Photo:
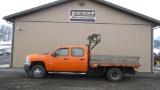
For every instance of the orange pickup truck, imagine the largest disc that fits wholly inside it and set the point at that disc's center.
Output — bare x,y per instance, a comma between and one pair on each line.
77,59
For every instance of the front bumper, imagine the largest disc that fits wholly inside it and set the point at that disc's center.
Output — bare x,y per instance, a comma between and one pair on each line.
27,67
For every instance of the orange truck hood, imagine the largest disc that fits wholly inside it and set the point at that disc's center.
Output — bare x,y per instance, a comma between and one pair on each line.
36,57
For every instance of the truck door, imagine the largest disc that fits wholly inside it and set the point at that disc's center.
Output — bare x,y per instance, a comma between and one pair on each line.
59,60
78,59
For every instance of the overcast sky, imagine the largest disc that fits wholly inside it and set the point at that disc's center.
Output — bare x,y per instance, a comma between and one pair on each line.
150,8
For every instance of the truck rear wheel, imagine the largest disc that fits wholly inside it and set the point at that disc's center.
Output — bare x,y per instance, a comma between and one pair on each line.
38,72
114,74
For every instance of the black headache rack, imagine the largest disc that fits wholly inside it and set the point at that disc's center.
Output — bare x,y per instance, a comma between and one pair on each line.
93,39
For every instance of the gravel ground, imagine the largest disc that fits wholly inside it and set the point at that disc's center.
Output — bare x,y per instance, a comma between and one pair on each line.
17,79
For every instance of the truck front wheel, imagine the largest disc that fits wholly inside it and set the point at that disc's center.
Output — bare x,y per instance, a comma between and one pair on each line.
38,72
114,74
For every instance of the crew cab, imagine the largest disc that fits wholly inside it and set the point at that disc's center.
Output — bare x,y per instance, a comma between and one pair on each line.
77,59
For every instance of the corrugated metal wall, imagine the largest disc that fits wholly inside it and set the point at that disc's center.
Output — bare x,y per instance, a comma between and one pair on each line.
124,37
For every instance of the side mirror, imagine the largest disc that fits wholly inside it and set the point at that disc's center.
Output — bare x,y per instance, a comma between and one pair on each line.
54,54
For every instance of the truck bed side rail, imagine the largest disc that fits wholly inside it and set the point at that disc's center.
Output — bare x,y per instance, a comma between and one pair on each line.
107,60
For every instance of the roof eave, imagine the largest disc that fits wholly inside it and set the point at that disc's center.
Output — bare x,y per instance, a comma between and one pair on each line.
127,11
102,2
35,9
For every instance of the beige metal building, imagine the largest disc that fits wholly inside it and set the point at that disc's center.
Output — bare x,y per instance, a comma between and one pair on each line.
69,22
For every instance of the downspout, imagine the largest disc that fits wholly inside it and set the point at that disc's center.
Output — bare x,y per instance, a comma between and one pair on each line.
152,58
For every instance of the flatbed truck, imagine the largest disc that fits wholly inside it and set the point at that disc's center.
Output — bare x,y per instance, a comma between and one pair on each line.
78,59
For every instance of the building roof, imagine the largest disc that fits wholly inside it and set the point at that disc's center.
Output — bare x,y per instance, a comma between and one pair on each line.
102,2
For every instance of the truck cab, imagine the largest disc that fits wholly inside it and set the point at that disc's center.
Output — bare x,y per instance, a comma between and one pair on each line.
63,59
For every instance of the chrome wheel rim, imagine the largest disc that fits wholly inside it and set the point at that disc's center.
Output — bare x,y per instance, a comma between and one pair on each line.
37,72
115,75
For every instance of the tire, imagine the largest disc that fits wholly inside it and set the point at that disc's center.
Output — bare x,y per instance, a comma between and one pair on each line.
38,72
114,74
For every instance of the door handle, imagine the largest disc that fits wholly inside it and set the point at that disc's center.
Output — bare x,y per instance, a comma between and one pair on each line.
65,59
82,59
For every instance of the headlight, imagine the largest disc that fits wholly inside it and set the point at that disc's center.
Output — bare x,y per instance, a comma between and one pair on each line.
27,61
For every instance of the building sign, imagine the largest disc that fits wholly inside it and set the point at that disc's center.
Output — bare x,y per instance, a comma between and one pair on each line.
82,15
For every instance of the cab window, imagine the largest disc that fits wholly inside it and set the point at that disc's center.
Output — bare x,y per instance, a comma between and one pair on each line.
62,52
77,52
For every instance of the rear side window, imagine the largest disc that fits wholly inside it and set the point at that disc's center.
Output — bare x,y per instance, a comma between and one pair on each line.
77,52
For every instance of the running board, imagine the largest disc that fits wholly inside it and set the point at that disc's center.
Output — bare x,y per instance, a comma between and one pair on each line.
67,73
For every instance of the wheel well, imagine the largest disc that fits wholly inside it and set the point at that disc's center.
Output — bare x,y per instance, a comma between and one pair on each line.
124,70
37,63
107,68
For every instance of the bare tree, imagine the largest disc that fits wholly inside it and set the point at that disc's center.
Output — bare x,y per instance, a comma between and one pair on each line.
5,32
